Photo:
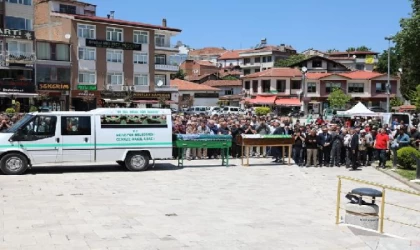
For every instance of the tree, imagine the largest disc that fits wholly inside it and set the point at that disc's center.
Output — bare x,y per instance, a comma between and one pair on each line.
382,66
338,99
395,102
293,59
407,43
360,48
178,75
415,97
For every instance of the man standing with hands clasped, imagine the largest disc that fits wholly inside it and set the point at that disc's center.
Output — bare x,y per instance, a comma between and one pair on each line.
324,144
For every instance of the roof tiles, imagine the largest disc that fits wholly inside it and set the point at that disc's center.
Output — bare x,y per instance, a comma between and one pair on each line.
190,86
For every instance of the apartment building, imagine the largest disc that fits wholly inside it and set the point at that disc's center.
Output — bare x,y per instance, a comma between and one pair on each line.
356,60
282,87
112,60
263,57
17,56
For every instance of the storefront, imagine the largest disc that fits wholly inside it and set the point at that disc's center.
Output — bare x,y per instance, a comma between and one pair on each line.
85,100
153,99
117,99
53,96
17,94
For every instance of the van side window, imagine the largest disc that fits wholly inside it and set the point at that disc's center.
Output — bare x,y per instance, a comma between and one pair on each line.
41,127
75,125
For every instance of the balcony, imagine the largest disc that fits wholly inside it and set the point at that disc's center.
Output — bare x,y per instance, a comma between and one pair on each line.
166,67
166,47
166,88
141,88
20,57
363,60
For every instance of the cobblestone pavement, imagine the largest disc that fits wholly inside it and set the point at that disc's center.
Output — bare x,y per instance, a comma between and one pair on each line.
203,206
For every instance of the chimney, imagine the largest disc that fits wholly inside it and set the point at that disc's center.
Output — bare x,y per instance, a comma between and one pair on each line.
283,44
164,22
112,14
109,16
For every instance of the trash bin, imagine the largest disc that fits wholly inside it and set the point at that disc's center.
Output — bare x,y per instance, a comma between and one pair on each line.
361,213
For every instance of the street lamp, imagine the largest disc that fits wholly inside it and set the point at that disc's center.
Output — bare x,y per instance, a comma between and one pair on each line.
304,70
388,84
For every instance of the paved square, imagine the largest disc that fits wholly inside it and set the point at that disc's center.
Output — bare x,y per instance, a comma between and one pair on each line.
203,206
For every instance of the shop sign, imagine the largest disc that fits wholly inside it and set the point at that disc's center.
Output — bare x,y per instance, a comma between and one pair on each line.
152,96
87,87
80,94
113,94
17,86
112,45
19,34
54,86
206,95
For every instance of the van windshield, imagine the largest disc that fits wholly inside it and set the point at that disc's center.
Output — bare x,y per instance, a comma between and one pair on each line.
18,124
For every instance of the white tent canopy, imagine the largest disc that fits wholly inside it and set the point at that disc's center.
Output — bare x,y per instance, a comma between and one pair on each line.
360,110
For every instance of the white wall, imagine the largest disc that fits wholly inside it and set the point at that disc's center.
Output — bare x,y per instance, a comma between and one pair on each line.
20,10
201,101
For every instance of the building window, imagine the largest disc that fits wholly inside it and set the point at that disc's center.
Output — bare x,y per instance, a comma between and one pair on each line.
228,92
18,23
360,66
160,78
247,60
257,59
330,86
86,31
267,59
141,37
43,51
160,59
141,80
140,58
114,78
356,88
62,52
24,2
311,88
380,87
69,9
296,84
257,70
255,86
281,85
159,40
316,63
19,48
266,86
114,34
87,54
114,55
63,75
247,85
247,71
87,77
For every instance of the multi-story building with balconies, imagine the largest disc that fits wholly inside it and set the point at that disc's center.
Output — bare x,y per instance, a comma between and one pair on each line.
16,54
112,60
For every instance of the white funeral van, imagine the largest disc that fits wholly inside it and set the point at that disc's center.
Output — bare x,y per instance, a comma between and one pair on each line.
131,137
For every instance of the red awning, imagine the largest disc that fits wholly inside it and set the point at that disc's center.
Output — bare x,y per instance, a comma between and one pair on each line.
288,102
263,100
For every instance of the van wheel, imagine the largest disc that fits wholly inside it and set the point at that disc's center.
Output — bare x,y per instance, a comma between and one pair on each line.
137,161
13,164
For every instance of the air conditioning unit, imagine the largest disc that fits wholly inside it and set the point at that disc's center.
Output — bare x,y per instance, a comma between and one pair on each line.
124,88
132,88
109,87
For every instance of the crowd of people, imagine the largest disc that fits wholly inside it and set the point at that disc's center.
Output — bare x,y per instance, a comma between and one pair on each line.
339,142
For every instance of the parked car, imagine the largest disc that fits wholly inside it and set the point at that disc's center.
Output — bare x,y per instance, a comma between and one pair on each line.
200,110
214,110
233,110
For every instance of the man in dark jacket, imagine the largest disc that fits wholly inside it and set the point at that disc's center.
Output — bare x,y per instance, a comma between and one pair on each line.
237,130
337,143
354,148
324,144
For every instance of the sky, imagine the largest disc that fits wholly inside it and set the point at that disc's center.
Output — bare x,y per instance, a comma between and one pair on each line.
236,24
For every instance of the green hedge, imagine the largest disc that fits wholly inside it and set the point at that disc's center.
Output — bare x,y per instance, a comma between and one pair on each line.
262,110
405,159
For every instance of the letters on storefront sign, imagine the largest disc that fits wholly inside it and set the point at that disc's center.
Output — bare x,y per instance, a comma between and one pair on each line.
21,34
54,86
153,96
18,86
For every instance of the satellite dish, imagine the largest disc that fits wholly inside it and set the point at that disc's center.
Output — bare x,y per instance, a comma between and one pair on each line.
159,83
67,36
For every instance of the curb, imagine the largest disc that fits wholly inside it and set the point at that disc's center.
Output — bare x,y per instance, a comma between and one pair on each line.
400,179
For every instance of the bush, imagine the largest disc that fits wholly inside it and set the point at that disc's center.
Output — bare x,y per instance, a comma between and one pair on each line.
262,110
33,109
10,111
405,159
